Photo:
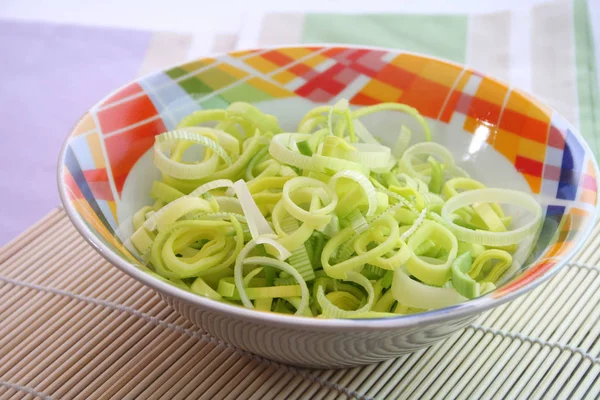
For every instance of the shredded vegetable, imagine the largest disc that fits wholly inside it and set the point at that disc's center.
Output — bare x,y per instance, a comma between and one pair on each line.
326,221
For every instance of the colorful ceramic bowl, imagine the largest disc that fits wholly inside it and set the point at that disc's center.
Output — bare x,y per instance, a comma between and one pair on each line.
501,136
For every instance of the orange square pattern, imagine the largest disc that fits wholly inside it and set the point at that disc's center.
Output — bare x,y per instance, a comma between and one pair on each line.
440,72
273,60
415,84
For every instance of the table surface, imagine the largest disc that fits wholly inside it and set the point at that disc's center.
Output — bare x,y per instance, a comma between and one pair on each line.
73,326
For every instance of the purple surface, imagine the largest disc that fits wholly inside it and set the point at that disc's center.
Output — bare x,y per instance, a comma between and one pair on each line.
49,75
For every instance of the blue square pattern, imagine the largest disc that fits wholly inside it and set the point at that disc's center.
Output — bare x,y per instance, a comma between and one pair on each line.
156,81
571,167
74,168
554,215
555,212
81,149
171,101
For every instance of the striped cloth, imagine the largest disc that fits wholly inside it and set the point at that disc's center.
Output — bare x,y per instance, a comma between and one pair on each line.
546,48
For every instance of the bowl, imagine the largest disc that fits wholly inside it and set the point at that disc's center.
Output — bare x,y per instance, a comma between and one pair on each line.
500,135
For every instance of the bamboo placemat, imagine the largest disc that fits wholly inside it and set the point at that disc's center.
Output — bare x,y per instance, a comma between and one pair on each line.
73,326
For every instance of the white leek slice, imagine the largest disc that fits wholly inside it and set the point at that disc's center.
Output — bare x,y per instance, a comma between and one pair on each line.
427,271
227,141
216,184
402,142
372,156
318,218
200,117
219,252
175,210
332,311
140,217
177,169
291,234
279,150
266,261
199,286
229,204
341,107
301,263
355,264
489,195
256,221
396,107
363,133
426,148
413,228
452,186
358,221
418,295
365,184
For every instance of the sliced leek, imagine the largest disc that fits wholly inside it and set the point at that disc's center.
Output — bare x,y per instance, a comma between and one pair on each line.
325,221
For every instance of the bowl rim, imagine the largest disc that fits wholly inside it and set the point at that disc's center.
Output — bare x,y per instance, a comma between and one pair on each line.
471,307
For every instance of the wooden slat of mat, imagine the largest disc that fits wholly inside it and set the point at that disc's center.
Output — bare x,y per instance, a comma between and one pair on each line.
72,326
14,245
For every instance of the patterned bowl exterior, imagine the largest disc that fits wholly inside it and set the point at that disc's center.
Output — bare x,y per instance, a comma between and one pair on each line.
537,143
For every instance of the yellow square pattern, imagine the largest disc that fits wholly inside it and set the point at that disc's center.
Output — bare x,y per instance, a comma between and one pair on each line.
588,196
535,182
284,77
262,65
269,88
381,91
506,143
436,71
86,124
233,71
471,124
462,82
241,53
314,61
409,62
444,76
492,91
295,52
113,209
532,149
522,103
590,169
93,141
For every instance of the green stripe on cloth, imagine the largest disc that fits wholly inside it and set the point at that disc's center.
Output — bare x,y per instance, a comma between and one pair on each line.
443,36
587,84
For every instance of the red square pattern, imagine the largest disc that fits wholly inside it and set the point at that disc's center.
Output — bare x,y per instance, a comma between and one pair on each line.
126,148
125,114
